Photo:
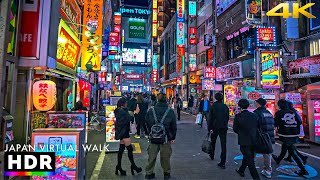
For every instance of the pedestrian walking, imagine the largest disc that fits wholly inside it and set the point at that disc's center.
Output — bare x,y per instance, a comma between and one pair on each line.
153,100
190,104
140,117
132,104
174,105
218,126
179,106
246,126
266,125
204,108
288,124
162,125
122,129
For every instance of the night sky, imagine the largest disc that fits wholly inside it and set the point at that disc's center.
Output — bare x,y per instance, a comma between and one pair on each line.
136,2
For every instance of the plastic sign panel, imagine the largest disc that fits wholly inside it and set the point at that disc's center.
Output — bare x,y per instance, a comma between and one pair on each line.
117,18
192,62
180,10
44,95
254,11
70,11
192,35
92,35
155,62
231,71
223,5
68,48
154,18
117,28
180,59
210,72
208,84
180,33
270,69
154,15
192,9
305,67
155,75
266,36
137,29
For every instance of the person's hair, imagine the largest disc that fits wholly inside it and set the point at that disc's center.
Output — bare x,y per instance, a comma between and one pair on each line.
290,106
140,99
283,104
218,96
243,104
121,102
162,97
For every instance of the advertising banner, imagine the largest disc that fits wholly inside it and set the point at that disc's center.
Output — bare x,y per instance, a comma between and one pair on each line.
180,59
117,18
180,10
254,11
209,40
180,33
192,9
91,45
192,62
209,72
231,97
266,36
208,85
28,46
154,29
223,5
71,12
68,49
194,78
231,71
305,67
293,97
137,29
155,61
192,35
270,68
155,75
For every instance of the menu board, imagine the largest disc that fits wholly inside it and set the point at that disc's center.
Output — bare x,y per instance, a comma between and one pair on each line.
65,148
66,120
110,124
38,120
316,104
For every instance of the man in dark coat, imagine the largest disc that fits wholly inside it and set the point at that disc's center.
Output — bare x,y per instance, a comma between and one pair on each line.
266,124
246,126
170,124
190,104
218,126
132,104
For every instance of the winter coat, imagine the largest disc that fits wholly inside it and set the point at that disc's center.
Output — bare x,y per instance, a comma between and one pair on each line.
288,123
201,106
266,122
132,104
140,117
246,126
170,121
190,102
123,120
218,116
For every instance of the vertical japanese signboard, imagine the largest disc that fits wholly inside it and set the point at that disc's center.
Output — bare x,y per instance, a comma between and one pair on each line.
192,9
192,62
154,18
180,11
180,34
192,35
209,72
270,69
70,11
180,59
92,35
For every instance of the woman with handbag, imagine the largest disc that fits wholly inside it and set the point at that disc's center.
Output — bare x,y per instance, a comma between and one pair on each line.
122,127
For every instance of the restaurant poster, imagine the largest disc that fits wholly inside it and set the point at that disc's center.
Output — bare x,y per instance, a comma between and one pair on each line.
270,68
38,120
66,120
231,97
65,148
305,67
231,71
110,124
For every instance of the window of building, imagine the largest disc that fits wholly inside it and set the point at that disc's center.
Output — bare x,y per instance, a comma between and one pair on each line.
314,47
200,5
236,45
200,32
201,58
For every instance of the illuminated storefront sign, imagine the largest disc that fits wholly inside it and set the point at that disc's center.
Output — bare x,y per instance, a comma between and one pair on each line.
270,69
70,11
192,35
180,59
180,11
209,72
192,9
254,11
237,33
231,71
92,35
155,76
154,18
192,62
305,67
154,30
180,33
117,28
266,36
68,48
131,11
117,18
137,29
223,5
231,96
208,85
44,95
194,79
155,62
154,15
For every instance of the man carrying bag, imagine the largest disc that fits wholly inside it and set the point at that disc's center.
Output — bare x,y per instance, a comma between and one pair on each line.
162,125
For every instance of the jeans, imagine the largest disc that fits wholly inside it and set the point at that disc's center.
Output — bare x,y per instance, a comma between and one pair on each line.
165,155
205,115
248,160
223,139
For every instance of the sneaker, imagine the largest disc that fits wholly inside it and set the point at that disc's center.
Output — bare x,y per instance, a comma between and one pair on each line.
146,136
302,173
137,136
150,176
222,166
240,172
266,174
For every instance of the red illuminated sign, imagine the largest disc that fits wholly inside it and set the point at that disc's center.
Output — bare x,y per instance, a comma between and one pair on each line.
114,34
209,72
265,34
117,28
154,75
117,19
113,39
192,35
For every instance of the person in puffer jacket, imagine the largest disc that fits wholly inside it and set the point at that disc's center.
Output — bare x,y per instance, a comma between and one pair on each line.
266,124
288,125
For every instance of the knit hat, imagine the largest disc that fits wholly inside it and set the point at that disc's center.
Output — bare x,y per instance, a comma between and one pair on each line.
261,101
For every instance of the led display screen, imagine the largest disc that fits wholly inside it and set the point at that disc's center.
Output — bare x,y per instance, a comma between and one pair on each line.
134,55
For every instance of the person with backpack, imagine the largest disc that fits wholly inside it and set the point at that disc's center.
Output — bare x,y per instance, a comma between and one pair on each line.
162,125
218,126
246,126
266,125
288,125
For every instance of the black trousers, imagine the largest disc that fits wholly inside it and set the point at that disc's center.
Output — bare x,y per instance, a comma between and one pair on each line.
222,133
248,160
293,152
178,112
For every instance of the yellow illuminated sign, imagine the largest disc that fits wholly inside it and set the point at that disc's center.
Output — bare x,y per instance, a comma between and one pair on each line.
92,35
154,4
154,15
154,30
270,69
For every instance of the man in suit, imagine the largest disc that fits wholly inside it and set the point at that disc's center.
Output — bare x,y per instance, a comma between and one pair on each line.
246,126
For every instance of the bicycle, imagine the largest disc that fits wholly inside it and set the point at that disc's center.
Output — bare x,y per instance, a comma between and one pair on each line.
96,123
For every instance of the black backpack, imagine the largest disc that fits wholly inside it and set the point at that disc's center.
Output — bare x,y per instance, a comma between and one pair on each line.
158,133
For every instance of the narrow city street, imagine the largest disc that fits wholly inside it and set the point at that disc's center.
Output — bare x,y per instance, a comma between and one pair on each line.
188,161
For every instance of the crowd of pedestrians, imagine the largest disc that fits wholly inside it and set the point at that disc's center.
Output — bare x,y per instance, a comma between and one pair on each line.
156,117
